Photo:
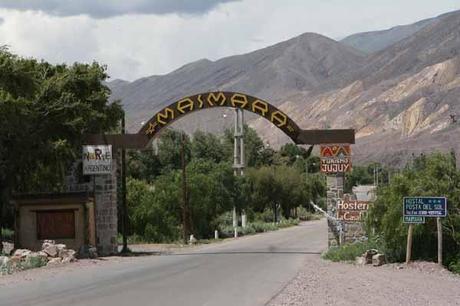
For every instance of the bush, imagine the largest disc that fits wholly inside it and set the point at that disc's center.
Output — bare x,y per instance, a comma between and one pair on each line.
304,215
427,175
7,234
265,216
261,227
454,266
349,252
288,223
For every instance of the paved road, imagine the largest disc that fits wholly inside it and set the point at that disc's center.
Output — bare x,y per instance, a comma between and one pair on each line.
247,271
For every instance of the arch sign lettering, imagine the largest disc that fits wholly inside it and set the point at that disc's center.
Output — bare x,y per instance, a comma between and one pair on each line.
197,102
220,99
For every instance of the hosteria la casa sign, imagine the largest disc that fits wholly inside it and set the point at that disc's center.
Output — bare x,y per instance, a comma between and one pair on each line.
335,158
97,160
352,210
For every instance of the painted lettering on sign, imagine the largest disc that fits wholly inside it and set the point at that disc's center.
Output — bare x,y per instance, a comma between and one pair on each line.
425,206
97,159
335,158
220,99
352,211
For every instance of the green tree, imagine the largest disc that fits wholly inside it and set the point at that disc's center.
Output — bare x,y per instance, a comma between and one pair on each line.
433,175
169,149
207,146
45,111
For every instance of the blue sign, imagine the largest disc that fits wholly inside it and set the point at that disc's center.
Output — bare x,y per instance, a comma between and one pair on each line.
425,206
414,219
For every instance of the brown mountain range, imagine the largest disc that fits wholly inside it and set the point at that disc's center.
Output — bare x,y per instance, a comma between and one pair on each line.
402,99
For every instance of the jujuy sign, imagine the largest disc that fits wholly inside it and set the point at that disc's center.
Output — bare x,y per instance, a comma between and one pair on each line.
335,158
97,159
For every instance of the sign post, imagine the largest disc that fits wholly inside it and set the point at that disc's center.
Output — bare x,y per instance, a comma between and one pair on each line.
415,209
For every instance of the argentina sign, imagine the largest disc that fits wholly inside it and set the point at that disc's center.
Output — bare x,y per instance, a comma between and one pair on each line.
97,159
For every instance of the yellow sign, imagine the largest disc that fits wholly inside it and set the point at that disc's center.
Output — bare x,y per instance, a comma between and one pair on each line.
220,99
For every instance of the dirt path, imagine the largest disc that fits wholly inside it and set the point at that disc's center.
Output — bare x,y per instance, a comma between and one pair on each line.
326,283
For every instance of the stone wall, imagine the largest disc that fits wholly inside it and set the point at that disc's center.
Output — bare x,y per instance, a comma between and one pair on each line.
334,192
105,193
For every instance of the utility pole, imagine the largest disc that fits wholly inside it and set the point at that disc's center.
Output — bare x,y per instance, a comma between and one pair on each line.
238,158
124,218
185,215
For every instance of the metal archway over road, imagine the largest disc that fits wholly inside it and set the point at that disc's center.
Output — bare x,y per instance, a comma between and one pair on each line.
237,100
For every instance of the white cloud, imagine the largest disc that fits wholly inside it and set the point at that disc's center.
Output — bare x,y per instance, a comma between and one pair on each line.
135,46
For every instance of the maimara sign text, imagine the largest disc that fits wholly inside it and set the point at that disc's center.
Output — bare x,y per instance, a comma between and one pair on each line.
220,99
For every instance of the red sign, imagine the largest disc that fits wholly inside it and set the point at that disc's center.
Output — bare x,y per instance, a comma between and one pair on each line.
335,158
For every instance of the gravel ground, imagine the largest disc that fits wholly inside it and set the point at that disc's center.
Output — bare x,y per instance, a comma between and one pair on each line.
327,283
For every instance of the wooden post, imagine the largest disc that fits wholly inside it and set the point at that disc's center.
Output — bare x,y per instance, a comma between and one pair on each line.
439,225
409,243
124,210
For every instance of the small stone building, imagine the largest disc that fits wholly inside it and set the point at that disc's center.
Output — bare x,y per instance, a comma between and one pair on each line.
68,218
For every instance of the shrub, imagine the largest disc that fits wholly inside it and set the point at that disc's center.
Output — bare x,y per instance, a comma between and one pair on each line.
348,252
304,215
427,175
7,234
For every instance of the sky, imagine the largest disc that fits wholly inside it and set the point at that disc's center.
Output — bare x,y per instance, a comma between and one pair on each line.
139,38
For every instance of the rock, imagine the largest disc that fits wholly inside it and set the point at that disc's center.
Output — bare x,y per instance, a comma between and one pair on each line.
192,240
67,255
4,260
368,255
42,255
35,260
8,248
54,261
61,246
47,243
92,253
51,250
87,251
21,253
360,260
378,260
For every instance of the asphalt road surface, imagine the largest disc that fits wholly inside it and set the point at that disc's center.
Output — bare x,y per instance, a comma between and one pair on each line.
247,271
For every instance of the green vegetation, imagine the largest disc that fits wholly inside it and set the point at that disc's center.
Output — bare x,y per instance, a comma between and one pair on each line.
426,175
349,252
7,234
272,192
433,175
45,111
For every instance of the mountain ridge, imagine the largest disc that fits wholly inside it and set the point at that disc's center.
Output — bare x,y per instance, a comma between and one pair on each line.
402,94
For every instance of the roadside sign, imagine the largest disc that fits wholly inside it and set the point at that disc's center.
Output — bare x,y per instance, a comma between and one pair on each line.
352,210
425,206
414,219
97,160
335,158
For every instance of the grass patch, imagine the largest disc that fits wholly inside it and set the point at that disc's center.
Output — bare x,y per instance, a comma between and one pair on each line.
349,251
7,234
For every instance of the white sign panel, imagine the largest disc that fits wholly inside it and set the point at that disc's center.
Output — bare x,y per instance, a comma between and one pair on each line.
97,160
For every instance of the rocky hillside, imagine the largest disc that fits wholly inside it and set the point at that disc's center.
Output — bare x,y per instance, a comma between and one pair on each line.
370,42
297,65
402,99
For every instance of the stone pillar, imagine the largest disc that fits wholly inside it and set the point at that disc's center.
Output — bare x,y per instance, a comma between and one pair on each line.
105,193
334,192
